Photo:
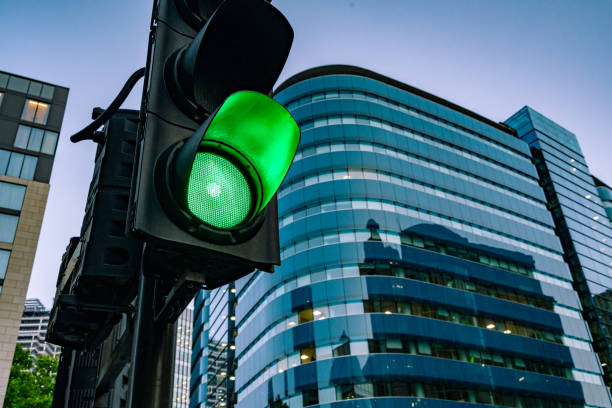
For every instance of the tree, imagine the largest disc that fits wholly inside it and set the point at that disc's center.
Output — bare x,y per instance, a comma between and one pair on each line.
31,381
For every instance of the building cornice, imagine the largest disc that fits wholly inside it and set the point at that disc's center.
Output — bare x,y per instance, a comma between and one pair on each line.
326,70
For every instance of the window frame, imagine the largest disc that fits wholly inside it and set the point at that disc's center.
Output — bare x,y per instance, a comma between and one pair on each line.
25,116
25,131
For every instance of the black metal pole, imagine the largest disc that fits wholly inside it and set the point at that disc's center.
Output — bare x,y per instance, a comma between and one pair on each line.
151,372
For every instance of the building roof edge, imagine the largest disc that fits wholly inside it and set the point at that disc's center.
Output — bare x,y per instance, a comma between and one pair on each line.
339,69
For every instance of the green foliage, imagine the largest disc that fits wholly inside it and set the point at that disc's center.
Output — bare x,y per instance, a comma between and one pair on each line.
32,380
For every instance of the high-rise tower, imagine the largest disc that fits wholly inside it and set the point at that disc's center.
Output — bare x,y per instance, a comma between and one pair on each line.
580,218
33,329
31,114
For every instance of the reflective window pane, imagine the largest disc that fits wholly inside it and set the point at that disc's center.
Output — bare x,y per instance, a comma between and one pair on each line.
11,195
4,258
29,167
18,84
49,142
35,88
3,80
8,227
23,134
14,166
47,91
4,159
36,137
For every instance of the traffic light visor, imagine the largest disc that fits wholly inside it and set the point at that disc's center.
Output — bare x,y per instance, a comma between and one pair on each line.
242,159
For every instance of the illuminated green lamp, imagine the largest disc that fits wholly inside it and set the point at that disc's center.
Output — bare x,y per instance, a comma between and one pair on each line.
229,170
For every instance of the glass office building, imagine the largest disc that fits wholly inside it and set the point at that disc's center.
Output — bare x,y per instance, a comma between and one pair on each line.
578,204
420,265
419,262
182,359
31,114
212,358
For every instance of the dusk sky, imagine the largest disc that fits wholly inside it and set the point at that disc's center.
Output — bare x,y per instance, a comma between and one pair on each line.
492,57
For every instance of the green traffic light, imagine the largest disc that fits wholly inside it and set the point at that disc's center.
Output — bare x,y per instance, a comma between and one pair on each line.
213,184
242,159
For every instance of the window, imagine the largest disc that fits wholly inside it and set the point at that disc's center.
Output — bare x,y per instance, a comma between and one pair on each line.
17,164
8,227
310,397
307,355
35,139
4,258
18,84
23,85
1,97
11,195
305,316
36,112
47,91
345,391
29,167
342,350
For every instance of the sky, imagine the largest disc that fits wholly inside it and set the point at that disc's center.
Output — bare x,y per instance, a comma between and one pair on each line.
492,57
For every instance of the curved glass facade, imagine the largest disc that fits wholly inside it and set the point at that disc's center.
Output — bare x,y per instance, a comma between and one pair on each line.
420,264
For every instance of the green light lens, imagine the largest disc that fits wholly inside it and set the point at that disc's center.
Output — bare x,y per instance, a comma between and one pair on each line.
217,192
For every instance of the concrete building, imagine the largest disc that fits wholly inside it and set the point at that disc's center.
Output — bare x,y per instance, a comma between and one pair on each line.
31,114
33,329
420,265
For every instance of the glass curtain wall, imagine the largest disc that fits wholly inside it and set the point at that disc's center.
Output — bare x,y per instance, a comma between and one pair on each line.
419,262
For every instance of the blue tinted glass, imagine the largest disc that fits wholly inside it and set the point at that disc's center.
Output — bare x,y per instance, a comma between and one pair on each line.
49,142
47,91
29,167
23,134
11,195
36,137
18,84
4,159
4,258
14,166
8,226
35,88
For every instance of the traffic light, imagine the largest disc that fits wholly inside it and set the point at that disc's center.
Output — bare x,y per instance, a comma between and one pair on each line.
213,148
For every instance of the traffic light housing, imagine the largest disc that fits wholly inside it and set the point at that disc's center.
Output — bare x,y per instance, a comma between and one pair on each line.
213,148
230,159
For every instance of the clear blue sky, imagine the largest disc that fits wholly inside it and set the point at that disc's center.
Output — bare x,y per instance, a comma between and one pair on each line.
492,57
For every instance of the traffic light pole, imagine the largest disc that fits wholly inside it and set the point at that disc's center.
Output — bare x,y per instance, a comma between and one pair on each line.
152,369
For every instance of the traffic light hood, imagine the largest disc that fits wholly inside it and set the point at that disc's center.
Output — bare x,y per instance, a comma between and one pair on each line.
244,45
263,132
229,170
